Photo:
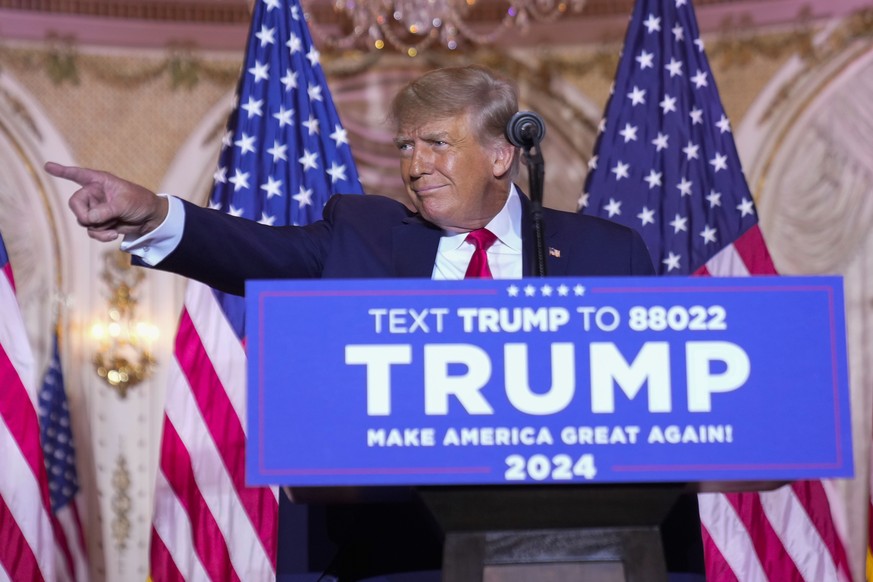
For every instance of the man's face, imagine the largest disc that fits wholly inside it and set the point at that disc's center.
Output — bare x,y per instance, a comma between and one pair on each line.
453,180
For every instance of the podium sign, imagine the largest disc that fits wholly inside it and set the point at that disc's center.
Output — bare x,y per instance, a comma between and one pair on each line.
410,382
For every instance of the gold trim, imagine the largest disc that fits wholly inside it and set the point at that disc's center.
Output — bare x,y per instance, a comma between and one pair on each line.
121,503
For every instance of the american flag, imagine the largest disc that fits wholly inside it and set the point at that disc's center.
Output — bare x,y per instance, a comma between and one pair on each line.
60,461
26,535
284,154
665,163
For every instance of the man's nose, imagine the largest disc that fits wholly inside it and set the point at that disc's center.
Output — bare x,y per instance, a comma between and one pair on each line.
421,162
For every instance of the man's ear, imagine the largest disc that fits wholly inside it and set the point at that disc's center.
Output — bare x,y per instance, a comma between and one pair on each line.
504,155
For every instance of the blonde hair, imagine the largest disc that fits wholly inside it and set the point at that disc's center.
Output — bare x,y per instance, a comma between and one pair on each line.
489,99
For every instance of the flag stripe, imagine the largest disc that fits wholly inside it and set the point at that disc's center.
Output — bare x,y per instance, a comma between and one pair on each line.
768,546
207,536
717,567
798,535
172,538
71,526
730,540
16,555
220,418
26,536
163,567
813,498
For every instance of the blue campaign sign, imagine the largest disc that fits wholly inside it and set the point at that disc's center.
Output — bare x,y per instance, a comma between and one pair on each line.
411,382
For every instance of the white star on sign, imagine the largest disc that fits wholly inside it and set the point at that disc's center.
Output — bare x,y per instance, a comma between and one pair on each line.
579,290
546,290
512,291
530,290
563,290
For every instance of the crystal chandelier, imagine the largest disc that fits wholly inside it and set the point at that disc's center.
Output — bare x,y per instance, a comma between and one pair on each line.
411,26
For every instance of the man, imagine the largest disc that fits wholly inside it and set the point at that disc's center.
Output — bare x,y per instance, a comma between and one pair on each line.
457,166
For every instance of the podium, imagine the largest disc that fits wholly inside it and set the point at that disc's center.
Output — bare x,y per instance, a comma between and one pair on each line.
547,425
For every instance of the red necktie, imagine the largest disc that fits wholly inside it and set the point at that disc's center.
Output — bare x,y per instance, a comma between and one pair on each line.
482,238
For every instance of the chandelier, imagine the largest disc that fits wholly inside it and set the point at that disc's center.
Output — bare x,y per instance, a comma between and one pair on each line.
123,356
411,26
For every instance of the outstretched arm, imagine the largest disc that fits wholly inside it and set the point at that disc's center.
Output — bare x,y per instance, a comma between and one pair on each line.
108,206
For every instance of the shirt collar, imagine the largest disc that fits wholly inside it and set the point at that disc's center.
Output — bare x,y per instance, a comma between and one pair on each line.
506,224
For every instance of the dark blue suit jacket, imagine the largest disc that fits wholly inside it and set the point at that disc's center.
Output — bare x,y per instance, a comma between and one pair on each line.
377,237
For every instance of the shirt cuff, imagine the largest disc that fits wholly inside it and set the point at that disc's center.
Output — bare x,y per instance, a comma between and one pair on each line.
155,246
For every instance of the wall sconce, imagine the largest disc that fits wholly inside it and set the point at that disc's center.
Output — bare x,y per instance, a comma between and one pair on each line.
123,355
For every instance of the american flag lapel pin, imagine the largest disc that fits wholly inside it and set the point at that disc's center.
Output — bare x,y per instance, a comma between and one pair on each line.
555,252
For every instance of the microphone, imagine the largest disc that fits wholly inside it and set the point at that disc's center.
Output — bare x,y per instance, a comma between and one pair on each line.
526,129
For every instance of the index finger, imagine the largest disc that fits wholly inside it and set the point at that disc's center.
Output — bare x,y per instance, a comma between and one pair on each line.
81,176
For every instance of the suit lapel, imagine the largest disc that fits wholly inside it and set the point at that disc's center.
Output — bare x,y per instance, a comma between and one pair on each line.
415,247
556,257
